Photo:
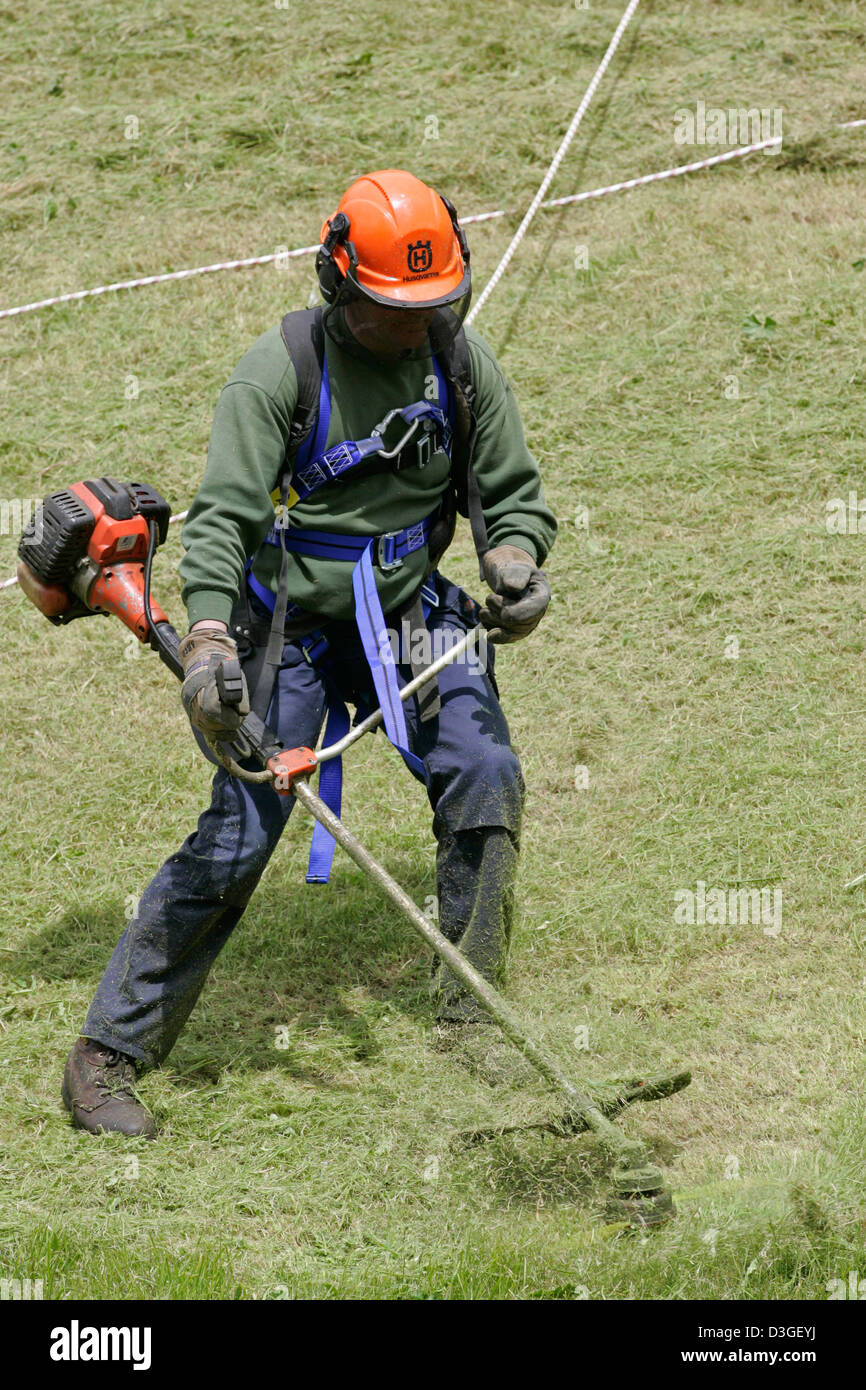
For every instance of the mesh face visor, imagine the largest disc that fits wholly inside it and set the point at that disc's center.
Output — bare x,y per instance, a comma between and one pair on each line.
388,332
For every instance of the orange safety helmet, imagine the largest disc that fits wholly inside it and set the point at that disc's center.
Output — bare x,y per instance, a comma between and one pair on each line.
395,242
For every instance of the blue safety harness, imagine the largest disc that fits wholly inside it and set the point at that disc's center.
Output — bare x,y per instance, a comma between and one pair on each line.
427,427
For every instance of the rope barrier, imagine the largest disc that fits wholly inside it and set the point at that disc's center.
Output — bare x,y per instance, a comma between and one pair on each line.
680,169
464,222
709,162
307,250
154,280
554,163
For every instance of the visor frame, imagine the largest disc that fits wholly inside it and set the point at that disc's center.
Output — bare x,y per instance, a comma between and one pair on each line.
350,279
437,339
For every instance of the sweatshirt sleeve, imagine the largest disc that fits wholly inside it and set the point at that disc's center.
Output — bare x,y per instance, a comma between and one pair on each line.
508,477
232,510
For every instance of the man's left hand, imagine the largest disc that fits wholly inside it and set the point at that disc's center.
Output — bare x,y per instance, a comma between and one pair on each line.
520,595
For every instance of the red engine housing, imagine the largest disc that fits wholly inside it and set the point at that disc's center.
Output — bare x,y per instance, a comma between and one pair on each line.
84,552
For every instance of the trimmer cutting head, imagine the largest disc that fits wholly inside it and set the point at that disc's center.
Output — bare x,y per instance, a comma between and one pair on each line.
639,1194
640,1197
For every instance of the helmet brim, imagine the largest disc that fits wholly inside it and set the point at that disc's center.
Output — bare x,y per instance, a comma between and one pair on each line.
415,293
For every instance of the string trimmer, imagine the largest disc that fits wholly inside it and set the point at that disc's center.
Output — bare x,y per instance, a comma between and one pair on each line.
89,549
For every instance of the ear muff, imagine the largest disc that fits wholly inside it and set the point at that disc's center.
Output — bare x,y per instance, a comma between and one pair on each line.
330,275
458,230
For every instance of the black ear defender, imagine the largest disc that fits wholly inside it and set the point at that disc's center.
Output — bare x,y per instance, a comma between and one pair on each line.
458,230
330,275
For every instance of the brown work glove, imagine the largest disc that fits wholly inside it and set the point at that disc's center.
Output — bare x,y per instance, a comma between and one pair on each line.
201,654
520,595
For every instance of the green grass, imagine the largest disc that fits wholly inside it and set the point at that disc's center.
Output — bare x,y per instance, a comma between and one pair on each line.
326,1168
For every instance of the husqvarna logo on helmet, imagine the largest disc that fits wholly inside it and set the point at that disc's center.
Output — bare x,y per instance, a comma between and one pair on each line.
419,257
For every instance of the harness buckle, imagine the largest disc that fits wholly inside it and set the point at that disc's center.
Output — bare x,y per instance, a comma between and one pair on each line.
424,445
386,552
429,594
379,431
383,424
313,646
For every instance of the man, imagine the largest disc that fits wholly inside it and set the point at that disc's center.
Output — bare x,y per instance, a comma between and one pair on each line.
340,448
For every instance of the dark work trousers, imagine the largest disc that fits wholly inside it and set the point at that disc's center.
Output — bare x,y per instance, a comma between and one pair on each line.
475,787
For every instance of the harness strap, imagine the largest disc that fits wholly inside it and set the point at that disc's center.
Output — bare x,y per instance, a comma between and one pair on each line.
461,403
343,458
477,523
314,465
331,776
303,334
391,548
266,595
323,843
414,620
261,700
314,441
380,657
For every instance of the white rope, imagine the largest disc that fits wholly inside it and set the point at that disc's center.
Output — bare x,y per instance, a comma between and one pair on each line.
680,169
464,222
554,165
155,280
662,174
307,250
572,198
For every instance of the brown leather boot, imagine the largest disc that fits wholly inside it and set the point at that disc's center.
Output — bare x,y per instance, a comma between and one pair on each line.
97,1089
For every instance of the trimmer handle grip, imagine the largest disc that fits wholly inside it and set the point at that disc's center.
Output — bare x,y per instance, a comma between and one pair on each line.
262,740
230,682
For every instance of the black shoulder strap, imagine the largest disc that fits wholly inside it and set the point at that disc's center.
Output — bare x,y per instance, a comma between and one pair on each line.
458,369
302,334
304,338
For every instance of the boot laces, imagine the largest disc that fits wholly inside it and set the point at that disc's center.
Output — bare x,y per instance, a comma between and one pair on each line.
117,1070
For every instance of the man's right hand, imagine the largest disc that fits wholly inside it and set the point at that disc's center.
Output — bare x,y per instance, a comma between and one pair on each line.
202,652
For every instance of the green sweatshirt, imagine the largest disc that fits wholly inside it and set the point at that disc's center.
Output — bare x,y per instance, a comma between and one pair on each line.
235,505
